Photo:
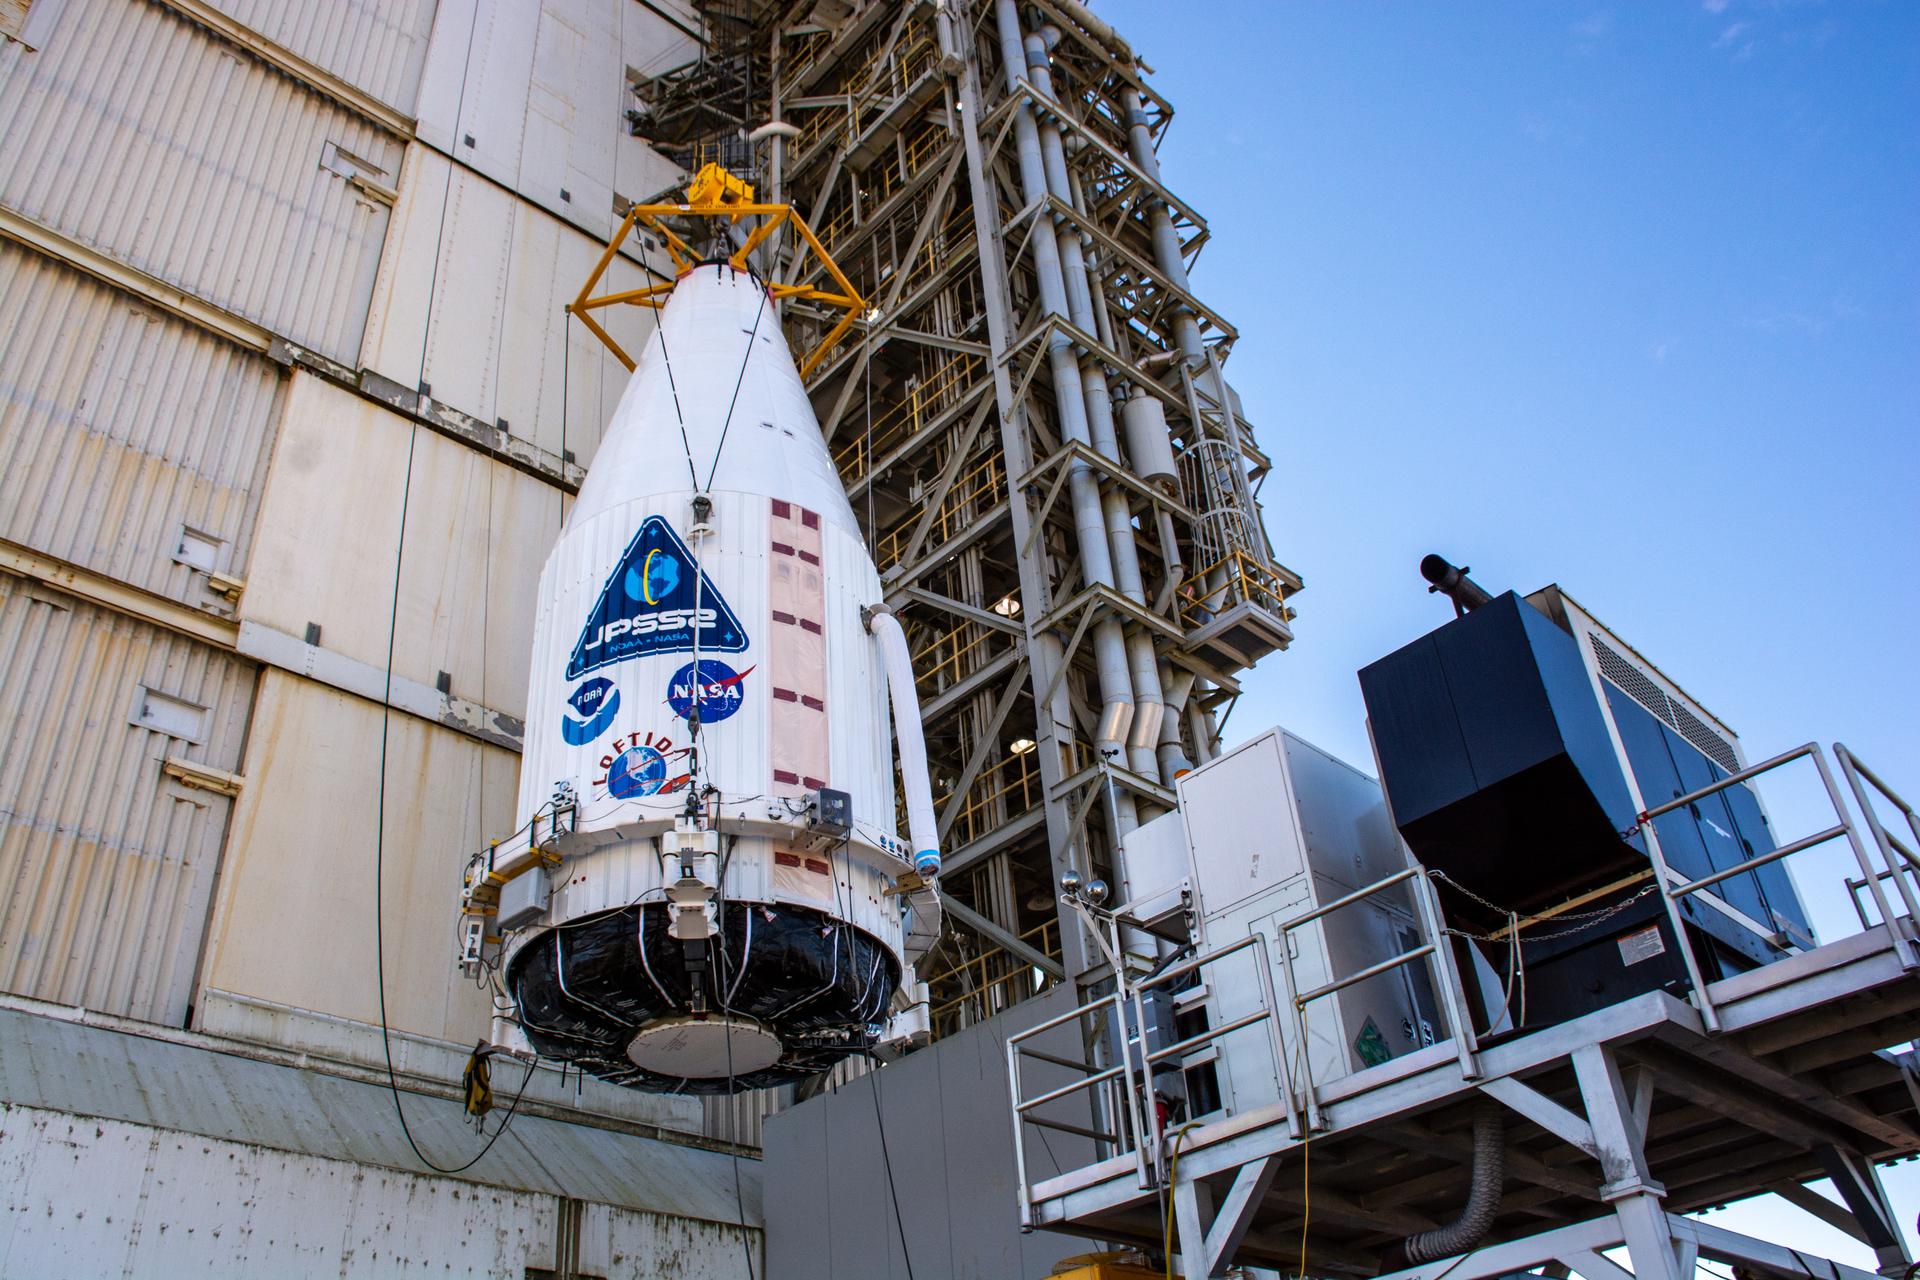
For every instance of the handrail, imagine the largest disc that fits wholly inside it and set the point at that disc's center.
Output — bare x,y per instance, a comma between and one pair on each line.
988,986
1122,1071
1859,777
1134,1068
1673,888
1439,957
1147,1150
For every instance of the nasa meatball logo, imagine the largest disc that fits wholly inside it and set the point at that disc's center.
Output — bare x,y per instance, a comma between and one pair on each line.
595,702
655,601
720,688
642,765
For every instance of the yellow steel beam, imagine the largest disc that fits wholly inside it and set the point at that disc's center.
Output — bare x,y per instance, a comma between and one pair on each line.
716,194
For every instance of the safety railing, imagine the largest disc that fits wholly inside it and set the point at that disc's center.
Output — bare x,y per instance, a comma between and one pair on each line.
883,180
1235,578
1435,951
939,390
944,657
804,51
990,981
1175,1052
977,489
1003,790
1901,862
1674,889
1132,1075
1123,1103
1129,1078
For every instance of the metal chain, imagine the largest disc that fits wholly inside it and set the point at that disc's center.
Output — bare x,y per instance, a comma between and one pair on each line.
1581,920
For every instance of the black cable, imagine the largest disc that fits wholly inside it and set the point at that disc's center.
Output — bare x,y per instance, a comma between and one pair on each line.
886,1158
386,719
726,1013
738,381
686,446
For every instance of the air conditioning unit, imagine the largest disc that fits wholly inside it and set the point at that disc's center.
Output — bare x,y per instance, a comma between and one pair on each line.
1266,834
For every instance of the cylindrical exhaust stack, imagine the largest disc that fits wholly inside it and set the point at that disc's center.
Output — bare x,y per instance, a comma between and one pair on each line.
713,896
1451,581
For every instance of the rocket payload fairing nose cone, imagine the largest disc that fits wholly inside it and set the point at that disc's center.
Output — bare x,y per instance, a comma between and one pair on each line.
704,684
715,402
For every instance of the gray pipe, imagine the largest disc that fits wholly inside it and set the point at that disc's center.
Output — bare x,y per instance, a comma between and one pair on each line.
1109,640
1098,404
1483,1197
1166,241
1097,28
1172,754
1200,727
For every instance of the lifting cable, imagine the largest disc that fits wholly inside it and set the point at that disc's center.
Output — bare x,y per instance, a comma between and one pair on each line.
386,718
740,378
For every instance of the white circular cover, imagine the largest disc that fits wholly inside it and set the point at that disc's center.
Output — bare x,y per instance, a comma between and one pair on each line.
707,1049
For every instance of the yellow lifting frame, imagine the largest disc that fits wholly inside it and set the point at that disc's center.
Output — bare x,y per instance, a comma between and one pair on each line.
714,193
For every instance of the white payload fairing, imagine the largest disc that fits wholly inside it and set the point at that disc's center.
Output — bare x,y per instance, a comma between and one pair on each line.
709,892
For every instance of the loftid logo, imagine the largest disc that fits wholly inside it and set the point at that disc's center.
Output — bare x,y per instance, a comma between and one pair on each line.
648,606
719,690
640,765
596,701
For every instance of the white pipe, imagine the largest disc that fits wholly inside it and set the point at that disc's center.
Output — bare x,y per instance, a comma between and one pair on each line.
922,831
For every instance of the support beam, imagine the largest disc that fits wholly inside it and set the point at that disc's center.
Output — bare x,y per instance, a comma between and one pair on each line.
1235,1215
1620,1147
1859,1185
1002,938
1543,1111
1810,1201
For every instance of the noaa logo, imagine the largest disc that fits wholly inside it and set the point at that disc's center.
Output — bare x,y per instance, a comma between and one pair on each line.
596,701
655,601
642,765
719,689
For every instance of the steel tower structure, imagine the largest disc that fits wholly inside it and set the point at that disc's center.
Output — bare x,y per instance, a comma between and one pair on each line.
1035,427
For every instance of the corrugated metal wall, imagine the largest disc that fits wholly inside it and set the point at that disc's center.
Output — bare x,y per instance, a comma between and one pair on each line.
545,97
477,534
377,46
122,428
489,324
144,136
295,922
106,863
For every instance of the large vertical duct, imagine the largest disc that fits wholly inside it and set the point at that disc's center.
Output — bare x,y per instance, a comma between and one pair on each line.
1173,755
1142,664
1166,241
1186,329
1109,642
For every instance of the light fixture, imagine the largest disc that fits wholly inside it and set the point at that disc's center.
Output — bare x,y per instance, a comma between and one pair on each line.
1022,745
1006,606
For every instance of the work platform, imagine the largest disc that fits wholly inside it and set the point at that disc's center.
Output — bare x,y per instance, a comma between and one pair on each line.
1615,1122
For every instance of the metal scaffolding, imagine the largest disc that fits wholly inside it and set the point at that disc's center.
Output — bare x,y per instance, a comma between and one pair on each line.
1035,428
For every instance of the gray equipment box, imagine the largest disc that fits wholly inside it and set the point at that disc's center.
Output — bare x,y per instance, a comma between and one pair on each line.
1275,829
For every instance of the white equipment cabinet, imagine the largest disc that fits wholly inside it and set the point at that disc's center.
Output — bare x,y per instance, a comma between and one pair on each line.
1273,830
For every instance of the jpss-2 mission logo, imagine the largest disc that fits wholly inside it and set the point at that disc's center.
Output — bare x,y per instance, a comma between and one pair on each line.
655,601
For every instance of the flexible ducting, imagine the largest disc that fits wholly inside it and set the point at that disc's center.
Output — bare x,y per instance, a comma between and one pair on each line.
1483,1197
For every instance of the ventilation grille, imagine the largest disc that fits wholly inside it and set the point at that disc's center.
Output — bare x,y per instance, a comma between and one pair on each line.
1635,684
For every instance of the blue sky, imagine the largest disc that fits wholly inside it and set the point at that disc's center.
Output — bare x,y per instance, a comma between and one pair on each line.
1625,297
